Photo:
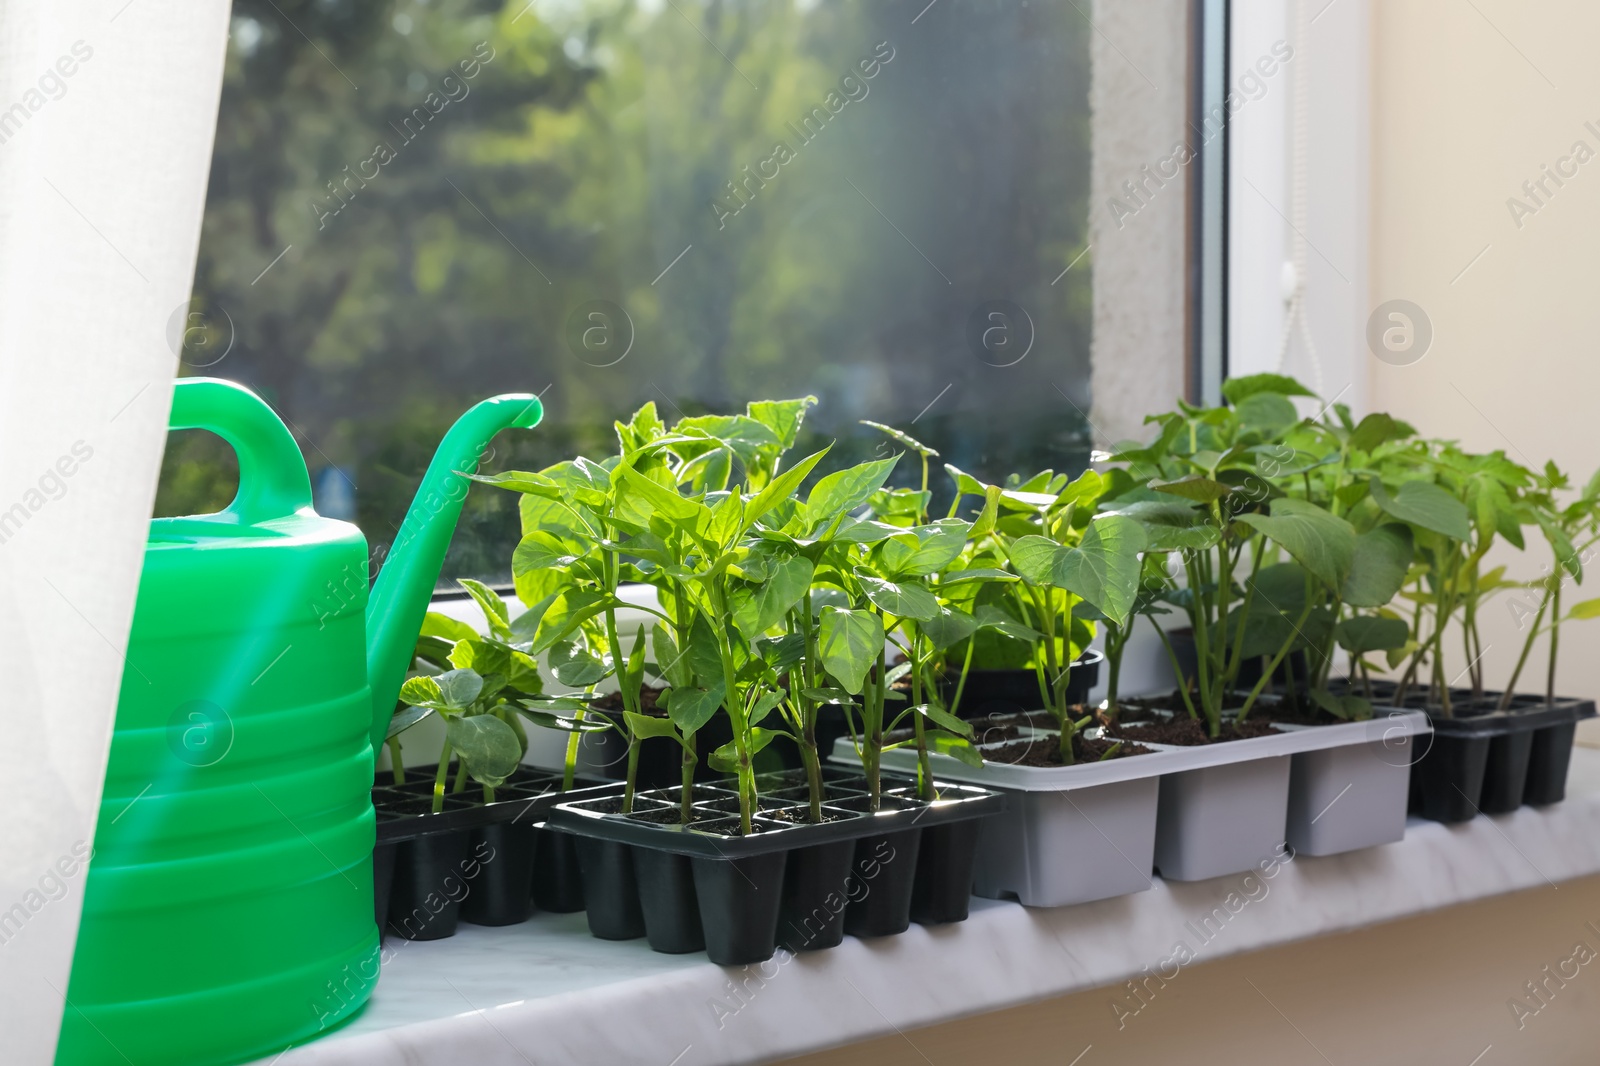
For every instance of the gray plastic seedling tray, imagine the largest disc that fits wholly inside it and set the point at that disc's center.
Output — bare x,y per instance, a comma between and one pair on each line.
1073,834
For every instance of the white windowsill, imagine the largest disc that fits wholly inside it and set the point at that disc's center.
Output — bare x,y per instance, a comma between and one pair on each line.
556,995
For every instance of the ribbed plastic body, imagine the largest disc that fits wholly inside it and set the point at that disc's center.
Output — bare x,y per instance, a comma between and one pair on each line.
228,910
228,906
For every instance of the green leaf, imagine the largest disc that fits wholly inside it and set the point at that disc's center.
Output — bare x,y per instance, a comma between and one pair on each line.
1376,429
757,608
522,481
984,524
1034,558
691,708
843,491
648,725
1266,410
1104,567
493,607
458,688
904,438
764,704
988,616
782,487
1194,487
980,573
865,531
1425,504
1171,526
850,642
1379,565
1585,610
1237,390
1317,539
672,664
435,624
782,417
556,704
1348,708
662,500
1364,632
938,545
955,747
575,666
407,717
487,745
525,626
901,599
704,652
967,485
944,719
950,626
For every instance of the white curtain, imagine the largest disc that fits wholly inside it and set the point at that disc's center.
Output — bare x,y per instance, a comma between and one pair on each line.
107,112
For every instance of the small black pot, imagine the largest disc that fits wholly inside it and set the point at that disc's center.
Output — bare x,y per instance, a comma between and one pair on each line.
382,884
881,883
1548,758
815,896
429,885
610,889
1448,780
739,903
1505,773
788,865
667,898
1485,760
945,861
557,876
501,893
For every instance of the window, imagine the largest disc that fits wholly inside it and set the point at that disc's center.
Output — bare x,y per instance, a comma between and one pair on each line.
886,203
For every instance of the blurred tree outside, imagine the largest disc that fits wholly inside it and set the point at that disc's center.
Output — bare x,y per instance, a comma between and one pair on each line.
415,204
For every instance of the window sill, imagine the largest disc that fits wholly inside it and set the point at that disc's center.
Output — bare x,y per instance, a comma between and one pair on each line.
552,991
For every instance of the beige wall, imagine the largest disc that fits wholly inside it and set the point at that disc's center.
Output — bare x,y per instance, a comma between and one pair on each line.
1431,989
1468,101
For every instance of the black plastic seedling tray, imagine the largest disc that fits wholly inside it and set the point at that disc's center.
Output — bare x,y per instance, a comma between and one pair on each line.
483,863
802,883
1483,760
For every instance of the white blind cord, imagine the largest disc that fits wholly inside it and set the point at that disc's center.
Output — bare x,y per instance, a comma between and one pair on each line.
1299,126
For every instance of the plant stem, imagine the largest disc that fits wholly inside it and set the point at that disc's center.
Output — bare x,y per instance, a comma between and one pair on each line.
439,778
1271,667
924,768
1177,672
569,767
735,706
1527,646
1555,638
686,782
395,762
810,758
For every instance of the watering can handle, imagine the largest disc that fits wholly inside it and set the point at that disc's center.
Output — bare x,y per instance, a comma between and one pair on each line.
272,473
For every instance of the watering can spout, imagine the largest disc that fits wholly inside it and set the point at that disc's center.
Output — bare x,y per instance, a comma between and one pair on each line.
400,596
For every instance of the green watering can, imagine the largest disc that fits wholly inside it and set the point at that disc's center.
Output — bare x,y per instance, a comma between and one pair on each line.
228,909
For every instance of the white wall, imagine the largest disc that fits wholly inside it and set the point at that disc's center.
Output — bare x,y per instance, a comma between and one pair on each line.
1468,101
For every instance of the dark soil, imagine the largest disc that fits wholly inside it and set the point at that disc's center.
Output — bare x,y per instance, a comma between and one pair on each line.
1045,751
1292,714
612,701
1190,732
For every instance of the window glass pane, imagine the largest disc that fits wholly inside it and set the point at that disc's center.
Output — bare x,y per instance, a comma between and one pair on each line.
415,205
